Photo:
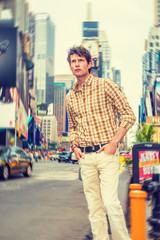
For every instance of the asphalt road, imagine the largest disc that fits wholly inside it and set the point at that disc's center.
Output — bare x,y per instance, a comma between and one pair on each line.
50,205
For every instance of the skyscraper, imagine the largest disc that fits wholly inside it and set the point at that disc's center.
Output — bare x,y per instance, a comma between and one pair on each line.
96,42
59,106
44,57
106,54
157,12
116,76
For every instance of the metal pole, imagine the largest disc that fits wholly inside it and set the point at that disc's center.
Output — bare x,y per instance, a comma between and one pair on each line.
15,140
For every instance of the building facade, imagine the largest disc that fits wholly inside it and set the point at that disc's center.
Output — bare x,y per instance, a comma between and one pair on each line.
49,128
44,57
106,54
116,76
68,79
60,106
157,12
14,67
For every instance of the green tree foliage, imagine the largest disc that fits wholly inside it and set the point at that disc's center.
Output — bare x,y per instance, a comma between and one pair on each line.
145,134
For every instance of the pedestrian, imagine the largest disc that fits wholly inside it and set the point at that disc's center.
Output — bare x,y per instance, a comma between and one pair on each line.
36,156
99,117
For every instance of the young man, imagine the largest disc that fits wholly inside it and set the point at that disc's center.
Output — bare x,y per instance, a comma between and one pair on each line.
93,107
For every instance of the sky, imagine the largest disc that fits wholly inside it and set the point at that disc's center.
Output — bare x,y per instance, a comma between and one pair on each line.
126,23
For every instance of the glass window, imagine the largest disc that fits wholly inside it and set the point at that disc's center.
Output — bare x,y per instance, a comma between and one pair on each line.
157,37
152,37
157,44
151,44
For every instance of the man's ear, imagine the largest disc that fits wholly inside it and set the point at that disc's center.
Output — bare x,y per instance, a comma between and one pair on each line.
89,65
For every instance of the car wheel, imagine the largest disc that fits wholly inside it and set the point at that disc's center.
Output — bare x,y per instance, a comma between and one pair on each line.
5,173
28,171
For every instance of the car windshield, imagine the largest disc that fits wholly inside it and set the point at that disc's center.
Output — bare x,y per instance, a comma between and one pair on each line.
64,153
4,151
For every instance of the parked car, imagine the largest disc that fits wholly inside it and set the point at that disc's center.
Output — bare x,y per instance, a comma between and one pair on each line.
14,160
54,156
65,156
73,158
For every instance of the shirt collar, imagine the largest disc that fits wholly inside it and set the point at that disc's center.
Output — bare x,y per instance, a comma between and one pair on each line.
87,81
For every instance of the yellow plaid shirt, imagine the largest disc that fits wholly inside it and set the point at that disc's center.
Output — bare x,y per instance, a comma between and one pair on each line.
93,111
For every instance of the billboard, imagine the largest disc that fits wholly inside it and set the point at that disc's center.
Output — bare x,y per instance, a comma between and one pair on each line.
8,113
145,156
42,109
90,29
157,98
147,159
21,82
93,48
22,120
8,51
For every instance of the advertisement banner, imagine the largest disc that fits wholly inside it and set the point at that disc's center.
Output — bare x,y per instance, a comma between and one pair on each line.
7,119
8,51
93,48
157,99
22,120
21,82
147,159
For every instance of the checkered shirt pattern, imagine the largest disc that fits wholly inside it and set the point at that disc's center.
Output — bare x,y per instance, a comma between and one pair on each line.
93,111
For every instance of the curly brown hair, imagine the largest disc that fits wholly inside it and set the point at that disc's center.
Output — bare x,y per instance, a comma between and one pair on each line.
80,51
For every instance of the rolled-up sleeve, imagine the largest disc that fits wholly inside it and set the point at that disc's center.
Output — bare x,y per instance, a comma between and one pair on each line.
72,123
119,100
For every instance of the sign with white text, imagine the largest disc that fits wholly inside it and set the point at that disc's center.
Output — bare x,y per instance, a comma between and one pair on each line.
144,156
147,159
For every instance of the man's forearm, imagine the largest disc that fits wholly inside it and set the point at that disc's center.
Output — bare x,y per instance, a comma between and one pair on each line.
119,135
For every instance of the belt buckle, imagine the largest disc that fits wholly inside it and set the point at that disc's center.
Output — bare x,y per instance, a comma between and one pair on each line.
93,148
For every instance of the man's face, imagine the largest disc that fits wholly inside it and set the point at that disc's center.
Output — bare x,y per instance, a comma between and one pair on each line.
79,66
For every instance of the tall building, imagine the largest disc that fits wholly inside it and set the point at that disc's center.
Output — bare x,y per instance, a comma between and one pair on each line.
44,57
116,76
59,106
16,9
153,41
149,110
49,128
96,42
106,54
14,68
31,78
157,12
68,79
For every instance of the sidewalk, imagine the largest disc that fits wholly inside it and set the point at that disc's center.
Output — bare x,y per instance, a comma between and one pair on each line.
124,182
123,191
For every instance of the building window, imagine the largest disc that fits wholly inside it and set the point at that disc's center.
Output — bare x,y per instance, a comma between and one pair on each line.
157,44
151,44
152,37
157,37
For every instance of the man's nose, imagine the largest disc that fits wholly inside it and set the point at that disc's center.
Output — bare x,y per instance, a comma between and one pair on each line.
77,63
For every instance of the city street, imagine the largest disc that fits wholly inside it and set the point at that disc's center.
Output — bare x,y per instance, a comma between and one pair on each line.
48,206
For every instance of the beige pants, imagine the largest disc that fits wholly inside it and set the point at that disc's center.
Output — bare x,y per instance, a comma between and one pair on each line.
100,174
